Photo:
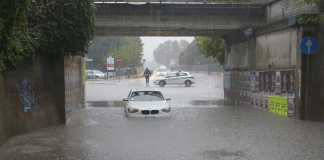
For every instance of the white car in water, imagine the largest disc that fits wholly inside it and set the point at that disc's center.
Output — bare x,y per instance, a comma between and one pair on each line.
145,103
175,78
95,74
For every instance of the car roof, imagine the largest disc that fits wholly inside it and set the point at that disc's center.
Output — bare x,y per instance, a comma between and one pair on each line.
178,72
145,89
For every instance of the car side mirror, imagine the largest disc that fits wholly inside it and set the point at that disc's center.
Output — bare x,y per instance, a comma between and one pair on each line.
168,99
125,99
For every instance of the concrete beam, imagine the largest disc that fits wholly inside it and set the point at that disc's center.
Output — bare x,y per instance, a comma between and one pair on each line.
184,1
175,19
151,31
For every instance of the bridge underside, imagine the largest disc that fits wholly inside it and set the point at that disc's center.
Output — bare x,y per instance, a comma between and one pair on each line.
120,19
151,31
184,1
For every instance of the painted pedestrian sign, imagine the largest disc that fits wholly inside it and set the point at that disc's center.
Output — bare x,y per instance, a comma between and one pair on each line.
309,45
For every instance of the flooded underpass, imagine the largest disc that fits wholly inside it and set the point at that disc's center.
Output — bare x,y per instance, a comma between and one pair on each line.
229,132
201,127
108,104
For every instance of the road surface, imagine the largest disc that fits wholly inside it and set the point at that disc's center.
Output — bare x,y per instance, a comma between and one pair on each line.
201,128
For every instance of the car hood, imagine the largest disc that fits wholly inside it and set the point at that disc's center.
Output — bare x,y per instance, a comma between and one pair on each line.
148,104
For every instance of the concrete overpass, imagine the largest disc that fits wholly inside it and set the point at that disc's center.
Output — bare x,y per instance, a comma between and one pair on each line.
175,19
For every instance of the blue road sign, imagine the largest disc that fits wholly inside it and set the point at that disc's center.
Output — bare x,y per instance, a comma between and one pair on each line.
309,45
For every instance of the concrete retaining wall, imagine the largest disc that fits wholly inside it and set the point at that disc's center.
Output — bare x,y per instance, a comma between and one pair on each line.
277,49
74,84
269,67
282,9
31,97
42,92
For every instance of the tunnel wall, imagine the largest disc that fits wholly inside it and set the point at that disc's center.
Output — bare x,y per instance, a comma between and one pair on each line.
313,81
272,75
281,9
31,97
42,92
257,74
277,49
74,84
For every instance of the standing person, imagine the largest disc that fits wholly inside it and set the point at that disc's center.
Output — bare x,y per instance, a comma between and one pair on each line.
147,74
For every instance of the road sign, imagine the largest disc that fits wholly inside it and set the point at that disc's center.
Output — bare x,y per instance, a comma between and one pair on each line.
110,64
119,60
309,45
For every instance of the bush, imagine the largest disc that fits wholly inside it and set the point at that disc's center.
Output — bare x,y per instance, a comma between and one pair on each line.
29,27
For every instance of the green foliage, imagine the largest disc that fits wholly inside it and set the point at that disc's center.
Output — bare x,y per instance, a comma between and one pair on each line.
29,27
192,55
128,48
15,41
168,52
213,47
309,19
130,51
62,26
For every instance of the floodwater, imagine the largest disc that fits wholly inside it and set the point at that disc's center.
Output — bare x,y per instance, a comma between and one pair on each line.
200,128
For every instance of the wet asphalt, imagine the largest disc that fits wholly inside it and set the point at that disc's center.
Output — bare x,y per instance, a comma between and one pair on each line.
200,128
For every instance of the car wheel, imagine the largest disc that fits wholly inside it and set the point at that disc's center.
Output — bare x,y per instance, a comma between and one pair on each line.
188,83
162,83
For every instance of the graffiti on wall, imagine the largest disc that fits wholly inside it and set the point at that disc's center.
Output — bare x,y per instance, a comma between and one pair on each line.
28,95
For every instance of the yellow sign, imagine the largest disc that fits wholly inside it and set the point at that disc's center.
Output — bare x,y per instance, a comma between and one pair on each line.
278,105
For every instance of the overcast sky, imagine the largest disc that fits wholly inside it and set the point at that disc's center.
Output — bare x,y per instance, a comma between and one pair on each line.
151,43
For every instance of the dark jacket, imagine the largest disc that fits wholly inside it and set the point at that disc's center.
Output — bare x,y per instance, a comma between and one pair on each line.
147,73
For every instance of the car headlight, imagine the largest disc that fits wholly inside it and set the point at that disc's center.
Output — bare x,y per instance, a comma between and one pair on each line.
132,110
167,110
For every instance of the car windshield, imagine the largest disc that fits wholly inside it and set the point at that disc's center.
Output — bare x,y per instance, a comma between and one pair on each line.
146,96
97,72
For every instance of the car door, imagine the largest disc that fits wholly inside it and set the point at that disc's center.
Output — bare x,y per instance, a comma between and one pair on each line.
181,78
171,78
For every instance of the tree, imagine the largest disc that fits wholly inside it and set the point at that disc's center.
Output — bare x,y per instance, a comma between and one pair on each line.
33,27
15,41
62,26
169,52
129,49
192,55
213,47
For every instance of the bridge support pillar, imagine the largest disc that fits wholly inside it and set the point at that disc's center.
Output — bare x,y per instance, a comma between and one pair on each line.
312,107
41,92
